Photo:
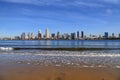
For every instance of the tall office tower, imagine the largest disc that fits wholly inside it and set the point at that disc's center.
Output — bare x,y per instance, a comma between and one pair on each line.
29,36
47,34
58,35
82,34
113,35
73,36
78,35
65,36
119,35
39,34
23,36
53,35
32,36
106,35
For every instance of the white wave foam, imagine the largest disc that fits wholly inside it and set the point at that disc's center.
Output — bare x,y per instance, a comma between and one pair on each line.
83,55
117,66
62,53
6,48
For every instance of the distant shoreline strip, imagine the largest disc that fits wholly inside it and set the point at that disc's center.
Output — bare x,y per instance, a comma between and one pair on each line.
67,49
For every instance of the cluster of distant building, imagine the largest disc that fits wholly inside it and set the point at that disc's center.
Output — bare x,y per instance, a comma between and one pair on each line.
47,35
79,35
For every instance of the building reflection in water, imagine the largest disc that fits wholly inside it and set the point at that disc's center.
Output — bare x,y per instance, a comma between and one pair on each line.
47,42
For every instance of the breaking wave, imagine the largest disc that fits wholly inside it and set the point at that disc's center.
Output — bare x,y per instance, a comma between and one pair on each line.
61,58
6,48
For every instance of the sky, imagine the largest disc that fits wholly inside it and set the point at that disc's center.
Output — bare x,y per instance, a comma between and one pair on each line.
65,16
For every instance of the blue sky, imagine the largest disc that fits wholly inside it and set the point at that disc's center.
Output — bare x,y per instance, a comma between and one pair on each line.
91,16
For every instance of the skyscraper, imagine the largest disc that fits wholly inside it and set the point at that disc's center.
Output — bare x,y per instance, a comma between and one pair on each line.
82,34
23,36
73,36
32,36
29,36
119,35
39,34
113,35
78,35
53,35
58,35
106,35
47,34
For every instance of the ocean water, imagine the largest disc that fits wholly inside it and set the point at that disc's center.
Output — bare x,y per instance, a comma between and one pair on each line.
100,58
61,43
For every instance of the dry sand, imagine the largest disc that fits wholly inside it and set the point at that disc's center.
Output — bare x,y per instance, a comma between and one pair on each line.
14,71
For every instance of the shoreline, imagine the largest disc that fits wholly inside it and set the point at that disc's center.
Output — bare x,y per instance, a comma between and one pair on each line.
31,67
67,49
64,39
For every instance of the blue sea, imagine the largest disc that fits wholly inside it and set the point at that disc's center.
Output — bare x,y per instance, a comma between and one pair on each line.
94,58
60,43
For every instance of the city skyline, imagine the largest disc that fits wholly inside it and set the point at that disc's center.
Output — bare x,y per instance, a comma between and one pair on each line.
93,17
47,34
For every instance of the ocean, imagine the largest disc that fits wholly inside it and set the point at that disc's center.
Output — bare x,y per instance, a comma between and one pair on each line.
88,58
60,43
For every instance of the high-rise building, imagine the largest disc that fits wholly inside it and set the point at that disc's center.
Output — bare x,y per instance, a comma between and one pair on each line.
119,35
32,36
82,34
113,35
39,34
53,35
29,36
73,36
106,35
23,36
17,38
78,35
47,34
65,36
58,35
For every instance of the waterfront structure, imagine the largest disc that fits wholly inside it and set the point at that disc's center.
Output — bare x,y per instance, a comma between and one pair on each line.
119,35
82,34
106,35
58,35
17,38
73,36
113,35
39,34
28,36
47,34
99,37
65,36
32,36
78,35
53,36
23,36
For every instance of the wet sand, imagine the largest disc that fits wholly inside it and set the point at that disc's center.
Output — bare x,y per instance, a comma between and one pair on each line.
25,67
14,71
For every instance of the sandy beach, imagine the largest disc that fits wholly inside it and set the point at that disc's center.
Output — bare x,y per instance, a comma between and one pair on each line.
17,65
30,72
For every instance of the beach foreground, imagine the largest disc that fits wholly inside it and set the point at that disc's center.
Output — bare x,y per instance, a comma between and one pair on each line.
59,65
30,72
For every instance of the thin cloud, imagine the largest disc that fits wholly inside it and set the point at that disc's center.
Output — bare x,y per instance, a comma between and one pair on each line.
109,11
77,3
87,4
34,2
112,1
